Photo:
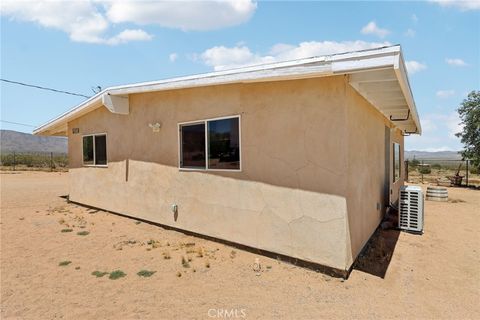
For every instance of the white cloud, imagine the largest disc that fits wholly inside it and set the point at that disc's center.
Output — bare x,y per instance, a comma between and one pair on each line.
443,94
128,35
173,57
185,15
415,66
221,58
438,133
90,20
463,5
410,33
414,18
372,28
456,62
80,19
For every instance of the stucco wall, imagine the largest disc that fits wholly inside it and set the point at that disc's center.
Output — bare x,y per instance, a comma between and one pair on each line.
297,167
366,194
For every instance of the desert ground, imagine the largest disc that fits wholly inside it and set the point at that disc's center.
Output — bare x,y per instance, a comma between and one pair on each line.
47,266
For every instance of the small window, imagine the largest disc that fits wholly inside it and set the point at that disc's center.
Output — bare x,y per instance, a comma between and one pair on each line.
223,144
95,149
211,144
88,150
101,150
193,146
396,162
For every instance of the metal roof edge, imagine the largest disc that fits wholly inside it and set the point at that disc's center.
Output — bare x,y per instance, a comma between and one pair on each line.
207,79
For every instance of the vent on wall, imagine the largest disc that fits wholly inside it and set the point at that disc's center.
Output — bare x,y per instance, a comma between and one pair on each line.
411,209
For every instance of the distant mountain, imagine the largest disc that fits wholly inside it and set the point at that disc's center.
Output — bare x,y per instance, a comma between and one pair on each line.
438,155
25,142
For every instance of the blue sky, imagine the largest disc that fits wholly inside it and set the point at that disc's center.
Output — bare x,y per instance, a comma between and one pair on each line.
77,45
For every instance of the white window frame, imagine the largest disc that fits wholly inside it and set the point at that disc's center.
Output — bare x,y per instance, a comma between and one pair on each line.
395,178
205,123
94,155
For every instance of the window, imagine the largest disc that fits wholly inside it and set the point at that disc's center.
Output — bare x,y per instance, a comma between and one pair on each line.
396,162
210,144
95,150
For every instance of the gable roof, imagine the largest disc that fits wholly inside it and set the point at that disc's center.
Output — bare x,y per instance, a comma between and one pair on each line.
379,75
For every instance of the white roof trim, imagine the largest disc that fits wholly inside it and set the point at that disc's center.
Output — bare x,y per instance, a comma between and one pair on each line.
344,63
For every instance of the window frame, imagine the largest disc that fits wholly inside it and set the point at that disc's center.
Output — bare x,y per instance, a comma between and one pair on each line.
395,178
94,155
205,123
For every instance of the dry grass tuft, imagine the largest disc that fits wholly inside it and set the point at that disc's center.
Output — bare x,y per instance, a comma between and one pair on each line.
185,263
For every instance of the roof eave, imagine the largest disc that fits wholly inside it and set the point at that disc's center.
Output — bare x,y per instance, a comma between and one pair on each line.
366,60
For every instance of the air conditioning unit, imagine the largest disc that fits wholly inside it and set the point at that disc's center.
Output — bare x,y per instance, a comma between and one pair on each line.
410,209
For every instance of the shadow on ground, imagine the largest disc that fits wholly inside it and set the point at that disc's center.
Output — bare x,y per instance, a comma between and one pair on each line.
376,256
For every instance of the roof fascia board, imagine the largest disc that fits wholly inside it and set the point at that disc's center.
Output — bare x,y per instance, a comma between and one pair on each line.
285,73
79,110
303,68
405,86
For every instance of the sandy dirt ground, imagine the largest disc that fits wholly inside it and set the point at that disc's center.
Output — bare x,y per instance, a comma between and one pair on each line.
433,276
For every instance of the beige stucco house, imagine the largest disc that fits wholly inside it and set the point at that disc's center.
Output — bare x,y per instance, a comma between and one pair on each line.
297,158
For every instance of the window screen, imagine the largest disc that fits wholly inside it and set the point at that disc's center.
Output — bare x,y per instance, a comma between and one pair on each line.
88,150
101,149
193,146
223,144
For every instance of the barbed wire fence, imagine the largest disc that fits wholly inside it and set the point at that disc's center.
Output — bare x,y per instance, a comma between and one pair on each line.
459,173
41,161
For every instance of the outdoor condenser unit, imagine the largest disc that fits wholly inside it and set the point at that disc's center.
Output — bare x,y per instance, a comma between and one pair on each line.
410,209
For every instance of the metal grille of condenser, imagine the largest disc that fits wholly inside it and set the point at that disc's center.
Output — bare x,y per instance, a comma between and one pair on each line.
410,209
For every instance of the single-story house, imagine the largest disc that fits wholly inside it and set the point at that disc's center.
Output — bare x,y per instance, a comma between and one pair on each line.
297,158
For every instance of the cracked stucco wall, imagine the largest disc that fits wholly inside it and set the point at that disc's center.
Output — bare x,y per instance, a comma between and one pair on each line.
292,194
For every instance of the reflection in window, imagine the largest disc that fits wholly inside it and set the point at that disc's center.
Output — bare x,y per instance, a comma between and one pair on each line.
88,150
193,146
101,149
396,162
223,144
211,144
95,149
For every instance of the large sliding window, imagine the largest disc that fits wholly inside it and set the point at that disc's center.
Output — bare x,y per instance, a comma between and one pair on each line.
396,162
95,150
210,144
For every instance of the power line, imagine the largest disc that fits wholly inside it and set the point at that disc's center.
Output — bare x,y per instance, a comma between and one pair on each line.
44,88
20,124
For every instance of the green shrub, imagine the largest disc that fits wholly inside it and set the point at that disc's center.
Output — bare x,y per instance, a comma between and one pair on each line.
425,170
145,273
413,163
436,166
114,275
99,274
64,263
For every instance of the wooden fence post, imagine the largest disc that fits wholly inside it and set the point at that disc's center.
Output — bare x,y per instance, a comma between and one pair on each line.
51,161
406,170
422,171
466,175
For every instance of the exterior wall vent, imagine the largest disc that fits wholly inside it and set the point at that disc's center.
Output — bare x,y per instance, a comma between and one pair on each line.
410,209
